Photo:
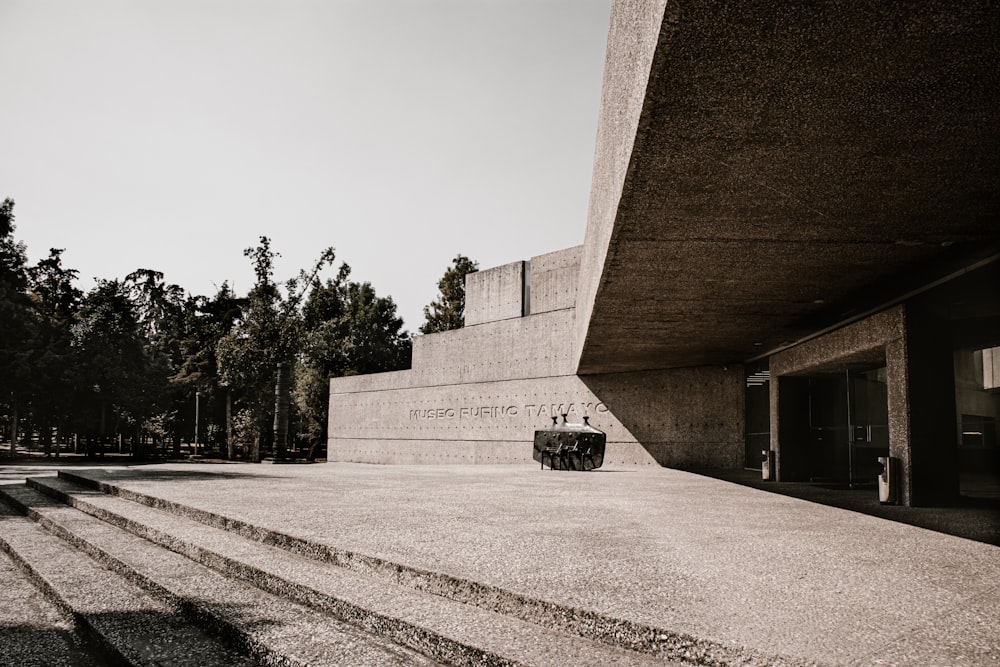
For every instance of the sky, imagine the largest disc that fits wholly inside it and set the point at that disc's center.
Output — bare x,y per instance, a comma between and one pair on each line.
172,135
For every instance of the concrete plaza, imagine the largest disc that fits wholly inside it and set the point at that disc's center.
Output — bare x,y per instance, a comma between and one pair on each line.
730,565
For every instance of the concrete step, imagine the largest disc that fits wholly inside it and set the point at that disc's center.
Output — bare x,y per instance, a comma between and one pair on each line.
609,630
273,630
448,630
33,631
128,626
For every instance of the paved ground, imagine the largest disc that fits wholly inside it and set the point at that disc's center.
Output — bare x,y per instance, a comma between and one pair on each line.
975,515
673,549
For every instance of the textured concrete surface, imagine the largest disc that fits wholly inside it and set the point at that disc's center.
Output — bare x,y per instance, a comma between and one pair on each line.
680,417
447,630
34,466
474,395
632,41
495,294
726,564
33,631
975,516
267,627
126,622
766,169
553,280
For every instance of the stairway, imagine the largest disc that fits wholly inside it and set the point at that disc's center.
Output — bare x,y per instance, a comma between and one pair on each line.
143,581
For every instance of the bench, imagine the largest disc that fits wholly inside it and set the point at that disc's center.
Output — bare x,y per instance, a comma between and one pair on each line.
567,455
583,454
553,451
569,446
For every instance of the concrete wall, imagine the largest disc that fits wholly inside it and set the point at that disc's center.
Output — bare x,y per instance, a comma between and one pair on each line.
681,418
525,347
554,278
494,294
862,341
477,394
477,422
632,40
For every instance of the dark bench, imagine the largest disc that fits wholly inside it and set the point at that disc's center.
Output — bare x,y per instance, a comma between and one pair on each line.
570,446
578,453
552,452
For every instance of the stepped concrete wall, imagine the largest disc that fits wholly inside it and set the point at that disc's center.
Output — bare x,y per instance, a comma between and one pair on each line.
681,418
477,394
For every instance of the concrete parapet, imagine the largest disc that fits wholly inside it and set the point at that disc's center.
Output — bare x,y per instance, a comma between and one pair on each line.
533,346
554,278
494,294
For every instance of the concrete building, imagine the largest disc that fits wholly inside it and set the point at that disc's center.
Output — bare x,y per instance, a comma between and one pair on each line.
793,245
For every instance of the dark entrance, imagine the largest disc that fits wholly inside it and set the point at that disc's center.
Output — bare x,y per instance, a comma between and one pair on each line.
868,412
757,415
835,426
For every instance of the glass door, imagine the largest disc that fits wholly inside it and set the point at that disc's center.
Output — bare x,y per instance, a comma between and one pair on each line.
868,410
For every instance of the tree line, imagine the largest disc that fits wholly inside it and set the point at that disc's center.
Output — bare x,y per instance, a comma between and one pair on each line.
138,365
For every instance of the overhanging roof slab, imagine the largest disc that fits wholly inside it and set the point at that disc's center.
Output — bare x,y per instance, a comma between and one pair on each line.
796,157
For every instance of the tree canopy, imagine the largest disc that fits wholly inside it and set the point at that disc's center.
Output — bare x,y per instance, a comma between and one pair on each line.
447,311
135,358
349,331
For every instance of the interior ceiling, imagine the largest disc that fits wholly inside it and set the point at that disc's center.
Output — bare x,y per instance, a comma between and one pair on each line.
797,164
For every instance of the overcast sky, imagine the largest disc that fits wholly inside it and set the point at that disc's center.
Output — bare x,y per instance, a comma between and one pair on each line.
170,135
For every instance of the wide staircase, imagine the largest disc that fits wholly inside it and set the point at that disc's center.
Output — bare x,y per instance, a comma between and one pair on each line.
118,577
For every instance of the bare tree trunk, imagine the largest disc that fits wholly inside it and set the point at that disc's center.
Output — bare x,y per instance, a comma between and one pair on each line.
255,448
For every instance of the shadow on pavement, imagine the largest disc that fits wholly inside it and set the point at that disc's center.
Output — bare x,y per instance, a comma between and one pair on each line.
30,646
122,468
972,517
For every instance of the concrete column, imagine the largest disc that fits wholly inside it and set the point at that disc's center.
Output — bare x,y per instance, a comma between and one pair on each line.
921,378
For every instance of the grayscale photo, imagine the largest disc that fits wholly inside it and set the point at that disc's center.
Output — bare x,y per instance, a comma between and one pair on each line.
499,333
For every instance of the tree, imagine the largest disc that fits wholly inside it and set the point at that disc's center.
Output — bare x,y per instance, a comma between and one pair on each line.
448,310
118,383
261,348
55,301
206,323
16,321
158,307
349,330
163,318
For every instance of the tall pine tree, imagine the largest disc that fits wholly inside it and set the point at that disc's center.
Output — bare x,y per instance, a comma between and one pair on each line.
448,310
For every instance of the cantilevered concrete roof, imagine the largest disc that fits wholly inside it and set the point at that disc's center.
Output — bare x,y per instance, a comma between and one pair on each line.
767,169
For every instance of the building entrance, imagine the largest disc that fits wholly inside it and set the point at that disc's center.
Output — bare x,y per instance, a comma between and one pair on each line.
757,415
839,428
868,413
